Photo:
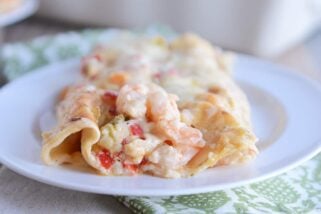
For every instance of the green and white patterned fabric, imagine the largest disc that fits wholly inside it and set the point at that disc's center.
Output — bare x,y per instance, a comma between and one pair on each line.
297,191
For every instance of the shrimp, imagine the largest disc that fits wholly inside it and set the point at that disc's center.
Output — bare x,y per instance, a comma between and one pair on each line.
131,100
160,108
167,161
140,100
165,113
179,133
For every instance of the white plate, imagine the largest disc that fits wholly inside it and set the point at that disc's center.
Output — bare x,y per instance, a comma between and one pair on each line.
27,8
286,116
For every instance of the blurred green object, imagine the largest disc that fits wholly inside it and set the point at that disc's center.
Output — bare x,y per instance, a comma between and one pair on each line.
20,58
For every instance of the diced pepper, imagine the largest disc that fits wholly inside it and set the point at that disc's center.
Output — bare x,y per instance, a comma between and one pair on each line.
131,167
112,110
110,96
124,142
168,142
98,57
143,162
137,130
105,159
157,75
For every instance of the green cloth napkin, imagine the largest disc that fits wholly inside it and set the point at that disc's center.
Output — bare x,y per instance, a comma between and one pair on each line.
297,191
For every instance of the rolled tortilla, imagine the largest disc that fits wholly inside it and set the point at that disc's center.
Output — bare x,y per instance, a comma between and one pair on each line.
224,119
78,114
227,141
188,67
212,102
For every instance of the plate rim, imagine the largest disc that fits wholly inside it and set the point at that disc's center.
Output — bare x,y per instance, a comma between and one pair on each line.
150,192
27,8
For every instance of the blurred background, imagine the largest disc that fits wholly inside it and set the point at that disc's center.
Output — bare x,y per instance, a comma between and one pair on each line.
284,31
